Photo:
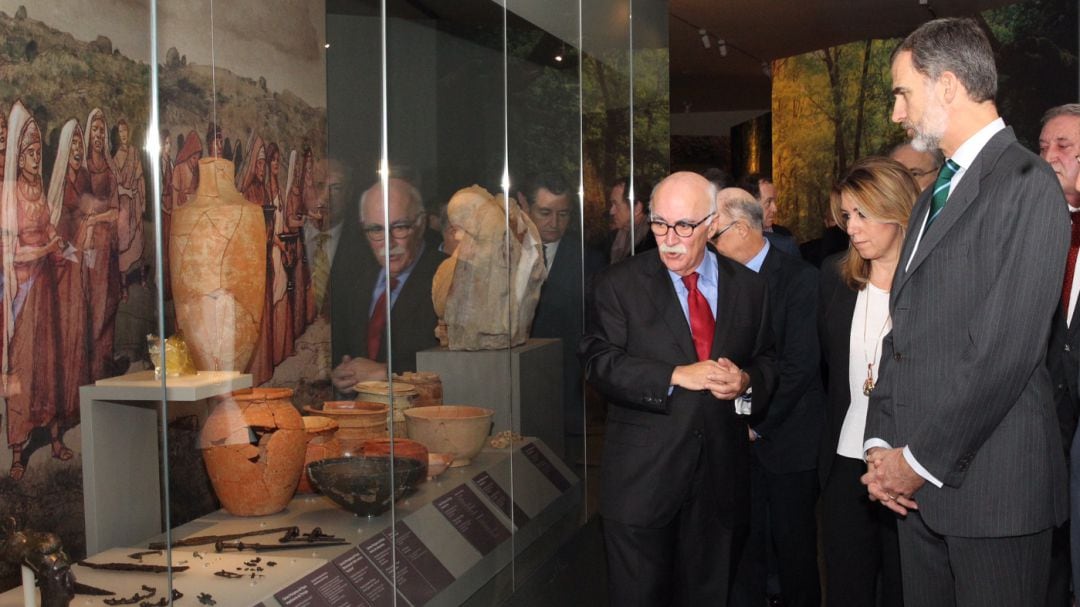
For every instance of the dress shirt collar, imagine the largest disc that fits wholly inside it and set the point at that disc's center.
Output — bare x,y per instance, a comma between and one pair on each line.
757,260
966,153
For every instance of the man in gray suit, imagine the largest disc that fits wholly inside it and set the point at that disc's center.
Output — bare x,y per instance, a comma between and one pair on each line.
961,435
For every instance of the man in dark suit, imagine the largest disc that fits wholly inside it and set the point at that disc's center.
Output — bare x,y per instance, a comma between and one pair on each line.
961,435
762,188
1059,143
629,222
362,288
783,480
559,312
674,339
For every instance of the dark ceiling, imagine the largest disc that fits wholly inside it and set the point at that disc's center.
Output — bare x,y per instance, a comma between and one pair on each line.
763,30
702,80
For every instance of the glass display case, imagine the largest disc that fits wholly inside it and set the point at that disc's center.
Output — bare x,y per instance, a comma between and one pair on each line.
299,291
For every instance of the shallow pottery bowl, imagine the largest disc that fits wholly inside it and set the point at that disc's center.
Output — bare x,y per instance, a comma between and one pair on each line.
456,429
362,484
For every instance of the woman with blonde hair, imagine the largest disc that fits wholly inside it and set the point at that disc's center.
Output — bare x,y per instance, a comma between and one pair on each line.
872,204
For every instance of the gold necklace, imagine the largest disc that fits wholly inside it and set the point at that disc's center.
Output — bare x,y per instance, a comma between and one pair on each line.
868,385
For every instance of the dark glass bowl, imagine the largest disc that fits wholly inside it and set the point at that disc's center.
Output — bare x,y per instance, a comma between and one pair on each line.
363,484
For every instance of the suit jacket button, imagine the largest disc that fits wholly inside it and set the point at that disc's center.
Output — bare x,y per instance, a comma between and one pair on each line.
698,434
1067,349
897,356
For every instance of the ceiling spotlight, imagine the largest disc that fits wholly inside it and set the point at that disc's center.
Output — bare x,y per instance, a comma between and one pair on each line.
721,44
704,38
924,2
559,56
327,45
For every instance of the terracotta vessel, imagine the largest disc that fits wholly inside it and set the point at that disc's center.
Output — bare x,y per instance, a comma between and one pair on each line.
322,444
453,429
403,447
401,395
253,445
438,463
428,386
357,422
217,260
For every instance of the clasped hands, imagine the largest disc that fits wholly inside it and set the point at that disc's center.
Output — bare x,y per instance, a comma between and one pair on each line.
890,480
723,378
352,371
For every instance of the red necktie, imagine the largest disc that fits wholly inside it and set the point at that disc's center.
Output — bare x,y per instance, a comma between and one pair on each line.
702,323
1070,266
377,325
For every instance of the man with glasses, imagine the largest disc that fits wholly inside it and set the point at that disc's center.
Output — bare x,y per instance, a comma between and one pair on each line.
673,338
365,278
783,469
923,166
1059,143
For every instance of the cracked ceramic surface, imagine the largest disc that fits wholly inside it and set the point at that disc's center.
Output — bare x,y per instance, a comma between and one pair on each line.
253,444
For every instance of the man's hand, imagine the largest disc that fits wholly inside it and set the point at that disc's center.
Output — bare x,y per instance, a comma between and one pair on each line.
695,376
728,381
721,377
352,371
890,480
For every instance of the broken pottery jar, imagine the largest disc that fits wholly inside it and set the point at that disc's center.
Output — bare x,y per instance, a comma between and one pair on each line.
321,444
253,444
217,259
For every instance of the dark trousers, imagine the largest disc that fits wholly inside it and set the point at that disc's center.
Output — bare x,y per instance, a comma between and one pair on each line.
1059,593
859,538
686,562
782,517
948,571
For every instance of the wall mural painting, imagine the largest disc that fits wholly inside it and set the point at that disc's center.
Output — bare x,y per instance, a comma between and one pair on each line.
832,106
76,218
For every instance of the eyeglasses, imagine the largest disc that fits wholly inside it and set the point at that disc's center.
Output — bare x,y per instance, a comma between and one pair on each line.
398,229
916,173
682,229
724,229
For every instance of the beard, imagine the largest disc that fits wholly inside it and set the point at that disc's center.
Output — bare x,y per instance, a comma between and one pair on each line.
931,128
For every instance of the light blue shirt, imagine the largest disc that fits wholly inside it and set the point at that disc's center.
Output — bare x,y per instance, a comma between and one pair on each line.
402,278
757,260
707,271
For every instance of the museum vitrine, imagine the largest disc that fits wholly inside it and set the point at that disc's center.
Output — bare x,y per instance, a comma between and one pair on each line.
296,292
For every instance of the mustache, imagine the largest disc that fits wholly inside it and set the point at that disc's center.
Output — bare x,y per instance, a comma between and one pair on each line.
678,249
395,250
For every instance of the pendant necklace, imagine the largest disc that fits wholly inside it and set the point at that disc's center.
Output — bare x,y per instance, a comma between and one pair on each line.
868,385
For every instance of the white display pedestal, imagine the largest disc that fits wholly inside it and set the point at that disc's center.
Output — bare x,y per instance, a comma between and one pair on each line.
120,453
523,385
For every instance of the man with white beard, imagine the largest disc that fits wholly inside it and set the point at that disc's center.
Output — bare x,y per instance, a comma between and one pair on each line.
366,277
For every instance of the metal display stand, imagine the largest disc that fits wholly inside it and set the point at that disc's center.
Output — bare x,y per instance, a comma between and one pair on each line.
121,454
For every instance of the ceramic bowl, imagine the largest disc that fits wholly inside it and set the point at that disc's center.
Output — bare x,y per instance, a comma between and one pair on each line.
363,485
456,429
403,447
438,463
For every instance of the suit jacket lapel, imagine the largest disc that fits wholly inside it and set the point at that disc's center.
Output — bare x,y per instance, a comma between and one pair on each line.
961,198
662,296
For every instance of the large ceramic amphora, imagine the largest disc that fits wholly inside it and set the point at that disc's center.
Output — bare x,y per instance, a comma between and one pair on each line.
217,258
253,444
